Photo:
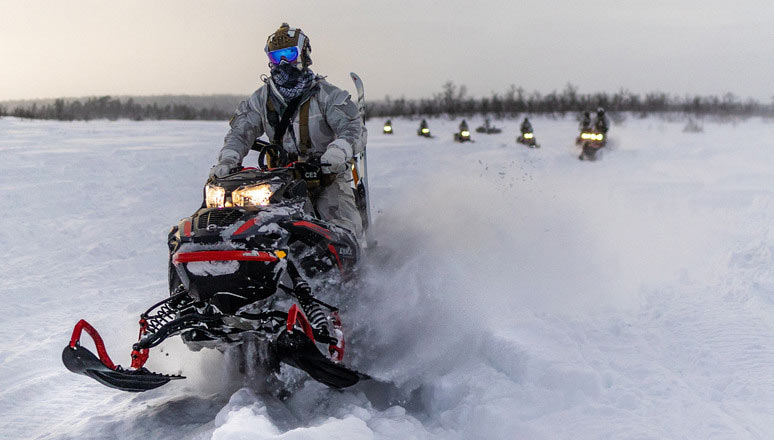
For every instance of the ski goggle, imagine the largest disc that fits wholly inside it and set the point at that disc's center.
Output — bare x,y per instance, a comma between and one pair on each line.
289,54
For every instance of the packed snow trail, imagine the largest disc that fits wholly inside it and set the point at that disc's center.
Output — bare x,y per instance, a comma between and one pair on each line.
516,293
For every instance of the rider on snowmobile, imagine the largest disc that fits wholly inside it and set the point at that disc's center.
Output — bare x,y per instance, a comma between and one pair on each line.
526,126
306,115
463,126
585,123
600,123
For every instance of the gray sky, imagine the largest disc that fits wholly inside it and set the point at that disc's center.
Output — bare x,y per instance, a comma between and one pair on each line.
52,48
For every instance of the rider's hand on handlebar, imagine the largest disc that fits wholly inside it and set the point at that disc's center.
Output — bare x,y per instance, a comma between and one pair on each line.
334,160
221,170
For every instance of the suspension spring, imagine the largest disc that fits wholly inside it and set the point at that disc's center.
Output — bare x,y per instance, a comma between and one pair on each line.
312,309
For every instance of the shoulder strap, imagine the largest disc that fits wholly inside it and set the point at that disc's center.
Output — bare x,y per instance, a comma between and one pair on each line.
303,127
282,125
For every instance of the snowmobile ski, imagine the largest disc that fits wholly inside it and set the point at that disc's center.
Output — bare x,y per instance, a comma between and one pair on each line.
297,350
102,369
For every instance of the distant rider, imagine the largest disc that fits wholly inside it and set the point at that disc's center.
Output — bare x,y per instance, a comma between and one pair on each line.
463,126
600,123
585,122
322,122
526,126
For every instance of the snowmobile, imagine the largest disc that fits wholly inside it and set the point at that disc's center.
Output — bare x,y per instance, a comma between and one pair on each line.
462,136
243,265
591,142
487,128
248,266
528,139
387,127
424,130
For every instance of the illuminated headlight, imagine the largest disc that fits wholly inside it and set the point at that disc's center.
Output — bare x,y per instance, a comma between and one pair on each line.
253,195
425,130
465,133
528,135
387,129
599,137
214,196
587,136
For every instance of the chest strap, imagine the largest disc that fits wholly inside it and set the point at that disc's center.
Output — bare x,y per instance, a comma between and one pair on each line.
281,125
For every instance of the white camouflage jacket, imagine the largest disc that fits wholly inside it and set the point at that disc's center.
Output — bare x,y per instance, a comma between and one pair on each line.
334,122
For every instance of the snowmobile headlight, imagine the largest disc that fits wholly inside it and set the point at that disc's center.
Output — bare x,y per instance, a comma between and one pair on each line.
387,129
425,130
528,135
215,196
253,195
464,133
600,137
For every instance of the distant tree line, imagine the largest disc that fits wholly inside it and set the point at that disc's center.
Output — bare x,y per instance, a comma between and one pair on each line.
106,107
453,101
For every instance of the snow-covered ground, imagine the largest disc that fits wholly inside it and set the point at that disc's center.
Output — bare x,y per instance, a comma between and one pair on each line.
517,293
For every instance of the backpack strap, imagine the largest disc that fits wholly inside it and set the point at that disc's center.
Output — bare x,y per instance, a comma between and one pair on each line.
281,125
303,128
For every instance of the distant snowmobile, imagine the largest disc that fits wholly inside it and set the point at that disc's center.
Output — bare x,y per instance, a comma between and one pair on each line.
424,130
527,135
592,139
528,139
487,128
463,133
591,142
387,127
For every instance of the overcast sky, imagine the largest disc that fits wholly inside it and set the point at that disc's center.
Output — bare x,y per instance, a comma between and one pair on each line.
53,48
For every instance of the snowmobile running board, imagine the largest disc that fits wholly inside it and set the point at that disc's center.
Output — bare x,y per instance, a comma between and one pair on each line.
102,369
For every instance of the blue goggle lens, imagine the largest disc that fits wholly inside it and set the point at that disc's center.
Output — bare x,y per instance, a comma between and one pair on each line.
289,54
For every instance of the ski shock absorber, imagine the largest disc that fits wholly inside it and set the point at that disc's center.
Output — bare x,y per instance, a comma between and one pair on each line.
313,311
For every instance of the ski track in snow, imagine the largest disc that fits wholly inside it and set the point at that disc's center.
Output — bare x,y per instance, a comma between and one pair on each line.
515,293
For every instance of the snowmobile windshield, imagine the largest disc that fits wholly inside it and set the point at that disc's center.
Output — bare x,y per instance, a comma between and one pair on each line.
289,54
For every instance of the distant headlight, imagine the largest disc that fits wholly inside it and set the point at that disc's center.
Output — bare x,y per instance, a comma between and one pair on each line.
214,196
528,135
253,195
465,133
387,129
425,130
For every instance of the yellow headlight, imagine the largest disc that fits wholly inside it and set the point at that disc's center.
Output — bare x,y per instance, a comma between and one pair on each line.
214,196
528,135
387,129
465,133
587,136
425,130
254,195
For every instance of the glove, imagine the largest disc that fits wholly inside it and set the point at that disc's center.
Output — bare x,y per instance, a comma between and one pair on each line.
228,160
334,160
221,169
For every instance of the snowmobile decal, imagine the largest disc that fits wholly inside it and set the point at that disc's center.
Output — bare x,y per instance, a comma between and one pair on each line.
316,228
190,257
247,225
336,254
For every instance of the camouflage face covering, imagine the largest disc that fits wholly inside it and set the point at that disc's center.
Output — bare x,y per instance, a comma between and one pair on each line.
290,81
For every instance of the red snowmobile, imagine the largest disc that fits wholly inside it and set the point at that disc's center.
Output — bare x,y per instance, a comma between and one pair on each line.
254,262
